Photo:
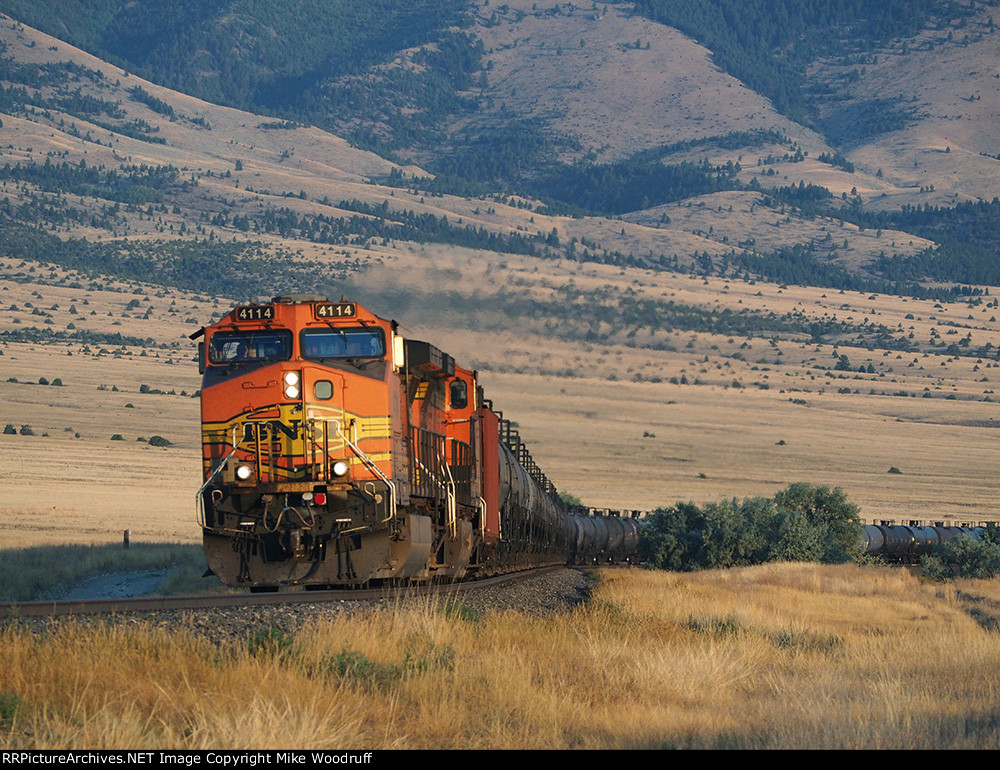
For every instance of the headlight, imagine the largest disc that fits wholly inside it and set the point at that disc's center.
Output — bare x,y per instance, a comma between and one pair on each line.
340,468
244,472
291,380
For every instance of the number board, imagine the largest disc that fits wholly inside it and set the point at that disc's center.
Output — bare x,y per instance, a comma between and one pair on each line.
334,310
254,313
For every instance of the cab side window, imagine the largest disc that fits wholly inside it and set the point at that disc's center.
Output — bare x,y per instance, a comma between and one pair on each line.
458,395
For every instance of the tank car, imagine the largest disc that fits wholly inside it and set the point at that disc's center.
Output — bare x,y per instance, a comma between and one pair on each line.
908,542
601,536
338,452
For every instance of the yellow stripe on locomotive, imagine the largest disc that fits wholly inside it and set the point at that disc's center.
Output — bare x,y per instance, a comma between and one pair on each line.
281,446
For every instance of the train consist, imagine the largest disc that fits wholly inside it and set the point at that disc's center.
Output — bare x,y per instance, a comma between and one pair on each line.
337,452
906,543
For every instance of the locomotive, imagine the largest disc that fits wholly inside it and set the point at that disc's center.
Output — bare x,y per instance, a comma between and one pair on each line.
338,452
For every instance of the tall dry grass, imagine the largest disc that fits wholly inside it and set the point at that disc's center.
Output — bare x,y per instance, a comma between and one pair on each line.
777,656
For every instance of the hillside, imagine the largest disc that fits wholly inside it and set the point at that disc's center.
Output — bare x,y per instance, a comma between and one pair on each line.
558,104
581,71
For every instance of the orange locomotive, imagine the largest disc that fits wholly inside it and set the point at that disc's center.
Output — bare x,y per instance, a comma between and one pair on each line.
337,452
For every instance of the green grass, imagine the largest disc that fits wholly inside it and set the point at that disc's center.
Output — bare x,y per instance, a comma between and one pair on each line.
32,574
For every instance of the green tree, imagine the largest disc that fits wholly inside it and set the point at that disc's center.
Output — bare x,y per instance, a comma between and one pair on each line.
830,512
670,537
801,523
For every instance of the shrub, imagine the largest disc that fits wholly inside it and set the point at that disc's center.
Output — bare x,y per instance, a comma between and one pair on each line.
571,499
963,557
118,437
272,642
9,430
828,511
673,537
10,706
801,523
26,431
159,441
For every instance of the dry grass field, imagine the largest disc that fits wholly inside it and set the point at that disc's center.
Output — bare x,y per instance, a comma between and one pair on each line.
784,656
70,481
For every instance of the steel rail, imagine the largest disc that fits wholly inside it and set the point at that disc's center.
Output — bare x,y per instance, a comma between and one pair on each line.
14,610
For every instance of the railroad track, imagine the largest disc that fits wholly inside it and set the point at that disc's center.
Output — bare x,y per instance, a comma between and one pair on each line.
14,610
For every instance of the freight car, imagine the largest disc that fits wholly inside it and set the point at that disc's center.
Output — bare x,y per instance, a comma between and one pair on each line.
906,543
338,452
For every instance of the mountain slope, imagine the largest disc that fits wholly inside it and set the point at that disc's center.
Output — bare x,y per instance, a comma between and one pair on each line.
705,172
581,73
246,53
950,82
236,175
430,81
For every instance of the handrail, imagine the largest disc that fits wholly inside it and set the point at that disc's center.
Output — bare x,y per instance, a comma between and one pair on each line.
451,503
312,426
372,467
482,515
199,500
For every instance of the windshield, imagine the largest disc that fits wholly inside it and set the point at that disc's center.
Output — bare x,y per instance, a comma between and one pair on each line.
246,346
343,343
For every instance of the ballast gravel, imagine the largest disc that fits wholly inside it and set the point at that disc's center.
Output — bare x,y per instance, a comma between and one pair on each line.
549,591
